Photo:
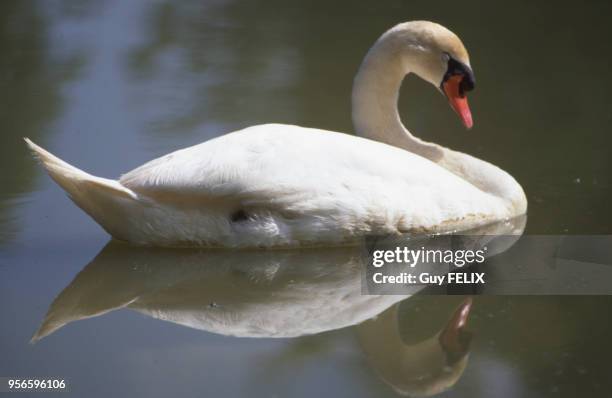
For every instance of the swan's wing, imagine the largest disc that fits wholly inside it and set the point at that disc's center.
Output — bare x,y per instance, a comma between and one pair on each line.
299,172
259,164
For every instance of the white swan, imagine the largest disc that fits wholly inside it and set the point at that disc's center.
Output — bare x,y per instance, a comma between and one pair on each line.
283,185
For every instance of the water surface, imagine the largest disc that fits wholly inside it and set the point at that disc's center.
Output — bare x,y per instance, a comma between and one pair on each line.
108,85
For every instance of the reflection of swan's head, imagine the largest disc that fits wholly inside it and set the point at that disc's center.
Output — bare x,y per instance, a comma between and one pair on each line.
423,369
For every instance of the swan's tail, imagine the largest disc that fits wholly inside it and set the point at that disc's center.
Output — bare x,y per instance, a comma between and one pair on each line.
103,199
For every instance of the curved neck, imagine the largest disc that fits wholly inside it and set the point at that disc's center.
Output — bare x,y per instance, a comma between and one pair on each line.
375,116
374,102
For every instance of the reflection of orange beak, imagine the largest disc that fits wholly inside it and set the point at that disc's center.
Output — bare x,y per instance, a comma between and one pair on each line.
454,338
458,101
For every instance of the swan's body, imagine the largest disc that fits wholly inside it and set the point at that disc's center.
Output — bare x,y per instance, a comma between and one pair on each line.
279,185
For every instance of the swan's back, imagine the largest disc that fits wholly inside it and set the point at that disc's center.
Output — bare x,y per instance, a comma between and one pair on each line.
272,185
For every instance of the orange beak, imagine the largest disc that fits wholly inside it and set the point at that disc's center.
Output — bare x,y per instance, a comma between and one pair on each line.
457,100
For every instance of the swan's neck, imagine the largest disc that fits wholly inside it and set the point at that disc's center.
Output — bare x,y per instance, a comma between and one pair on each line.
375,96
375,116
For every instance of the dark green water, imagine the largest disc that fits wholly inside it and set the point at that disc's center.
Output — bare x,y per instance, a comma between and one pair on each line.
108,85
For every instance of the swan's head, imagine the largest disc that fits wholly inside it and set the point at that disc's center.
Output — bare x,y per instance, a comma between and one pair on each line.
438,56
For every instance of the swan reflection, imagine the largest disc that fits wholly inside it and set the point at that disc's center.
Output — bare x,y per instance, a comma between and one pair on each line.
274,293
236,293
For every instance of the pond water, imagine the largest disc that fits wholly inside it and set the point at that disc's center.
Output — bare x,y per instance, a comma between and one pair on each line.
108,85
